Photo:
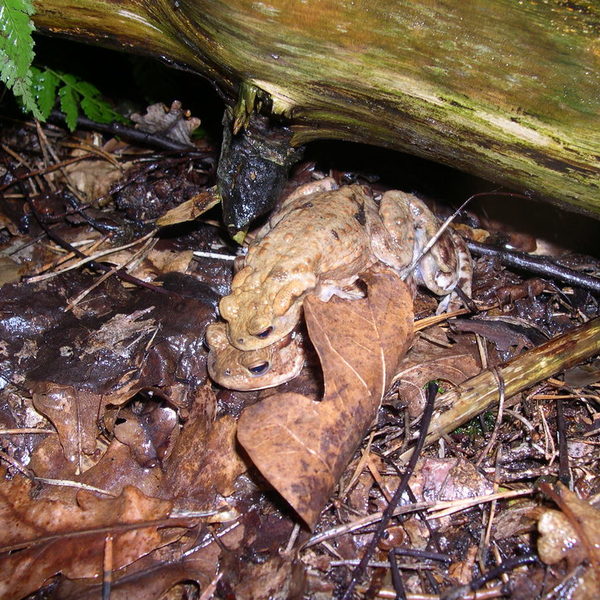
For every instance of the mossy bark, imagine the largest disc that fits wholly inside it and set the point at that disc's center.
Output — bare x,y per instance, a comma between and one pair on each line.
503,89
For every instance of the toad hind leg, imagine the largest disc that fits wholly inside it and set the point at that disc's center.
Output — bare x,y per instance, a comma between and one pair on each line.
410,225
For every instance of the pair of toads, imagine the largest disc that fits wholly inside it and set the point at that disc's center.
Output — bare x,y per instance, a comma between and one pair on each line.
319,241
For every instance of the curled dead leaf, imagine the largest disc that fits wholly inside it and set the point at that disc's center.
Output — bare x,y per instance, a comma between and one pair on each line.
302,446
69,537
424,362
173,122
74,413
573,533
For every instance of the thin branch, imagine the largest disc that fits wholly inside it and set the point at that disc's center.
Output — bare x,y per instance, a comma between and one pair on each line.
480,392
127,133
537,264
391,507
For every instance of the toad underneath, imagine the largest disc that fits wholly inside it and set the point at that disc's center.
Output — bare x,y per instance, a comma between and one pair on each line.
319,240
257,369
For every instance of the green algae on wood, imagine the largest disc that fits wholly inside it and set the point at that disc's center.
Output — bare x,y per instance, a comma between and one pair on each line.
507,90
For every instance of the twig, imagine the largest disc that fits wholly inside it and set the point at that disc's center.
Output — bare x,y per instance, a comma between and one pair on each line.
65,257
74,484
549,446
292,540
100,152
537,264
391,507
114,528
361,522
16,464
461,592
501,399
364,459
438,234
480,392
216,255
449,507
211,587
127,133
44,170
150,242
107,567
395,567
24,430
487,532
563,455
90,259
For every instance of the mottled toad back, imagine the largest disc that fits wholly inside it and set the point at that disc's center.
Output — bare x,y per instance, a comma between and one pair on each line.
320,240
318,243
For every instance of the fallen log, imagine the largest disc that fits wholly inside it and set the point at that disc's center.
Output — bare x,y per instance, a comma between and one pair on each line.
505,90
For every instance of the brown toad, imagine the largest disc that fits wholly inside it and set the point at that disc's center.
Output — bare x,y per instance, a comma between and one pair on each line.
256,369
320,240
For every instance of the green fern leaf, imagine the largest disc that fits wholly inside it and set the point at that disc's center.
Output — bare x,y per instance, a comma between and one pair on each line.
93,105
69,105
45,84
16,50
78,93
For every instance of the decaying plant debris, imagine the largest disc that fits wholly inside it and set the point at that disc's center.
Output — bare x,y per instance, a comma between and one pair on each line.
123,470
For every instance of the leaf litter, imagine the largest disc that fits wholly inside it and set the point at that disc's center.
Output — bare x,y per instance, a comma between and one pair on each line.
147,480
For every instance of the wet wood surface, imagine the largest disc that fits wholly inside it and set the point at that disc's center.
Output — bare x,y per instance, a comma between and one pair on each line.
505,90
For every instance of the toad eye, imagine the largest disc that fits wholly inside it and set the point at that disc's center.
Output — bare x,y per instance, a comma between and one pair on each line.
260,368
265,333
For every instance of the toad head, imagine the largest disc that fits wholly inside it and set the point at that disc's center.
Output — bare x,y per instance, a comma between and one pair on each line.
260,317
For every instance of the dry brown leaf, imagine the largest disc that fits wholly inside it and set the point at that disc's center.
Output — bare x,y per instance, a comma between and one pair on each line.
426,362
118,467
152,576
74,413
10,270
572,533
147,434
69,538
173,122
276,578
48,460
108,469
190,209
204,460
518,519
437,479
154,263
301,446
462,571
93,176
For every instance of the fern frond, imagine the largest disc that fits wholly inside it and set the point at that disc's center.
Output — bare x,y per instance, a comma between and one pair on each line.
74,93
16,50
45,84
69,103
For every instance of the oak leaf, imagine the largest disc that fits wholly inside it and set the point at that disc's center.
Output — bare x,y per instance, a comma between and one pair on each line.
302,446
69,537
